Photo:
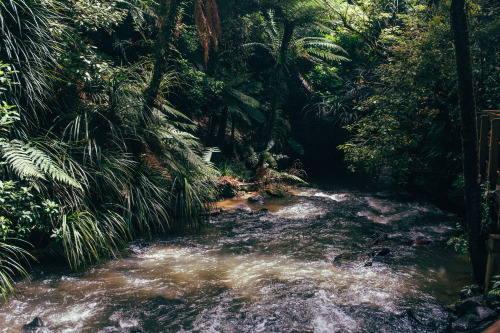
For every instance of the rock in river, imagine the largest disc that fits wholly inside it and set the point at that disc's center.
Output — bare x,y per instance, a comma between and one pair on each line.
259,199
243,209
33,326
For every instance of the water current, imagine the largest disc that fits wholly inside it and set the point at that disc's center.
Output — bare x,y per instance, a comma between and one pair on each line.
321,261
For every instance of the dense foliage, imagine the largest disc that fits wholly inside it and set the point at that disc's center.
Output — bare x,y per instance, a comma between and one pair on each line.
107,108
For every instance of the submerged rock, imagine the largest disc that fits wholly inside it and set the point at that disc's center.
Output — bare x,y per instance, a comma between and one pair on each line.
378,239
421,242
34,325
216,212
347,256
364,259
382,253
243,209
368,263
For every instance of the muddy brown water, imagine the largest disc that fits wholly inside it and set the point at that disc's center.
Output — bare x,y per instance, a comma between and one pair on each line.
265,271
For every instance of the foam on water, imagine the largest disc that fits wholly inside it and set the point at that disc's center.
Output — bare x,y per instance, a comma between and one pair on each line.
263,272
301,210
317,193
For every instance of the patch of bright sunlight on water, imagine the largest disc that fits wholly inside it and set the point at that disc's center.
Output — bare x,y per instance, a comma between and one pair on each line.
265,271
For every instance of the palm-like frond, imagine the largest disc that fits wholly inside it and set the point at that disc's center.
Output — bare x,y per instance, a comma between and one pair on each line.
11,260
27,32
147,203
87,238
190,201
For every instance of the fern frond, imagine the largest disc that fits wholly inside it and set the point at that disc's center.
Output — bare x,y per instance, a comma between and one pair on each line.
29,162
321,42
328,56
324,29
207,154
244,98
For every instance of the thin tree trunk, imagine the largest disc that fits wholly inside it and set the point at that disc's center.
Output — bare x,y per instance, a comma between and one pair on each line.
233,129
222,127
477,248
169,11
267,134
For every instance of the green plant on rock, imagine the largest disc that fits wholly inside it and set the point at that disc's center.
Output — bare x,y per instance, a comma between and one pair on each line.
495,291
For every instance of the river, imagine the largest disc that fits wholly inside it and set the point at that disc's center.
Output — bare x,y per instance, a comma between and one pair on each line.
299,264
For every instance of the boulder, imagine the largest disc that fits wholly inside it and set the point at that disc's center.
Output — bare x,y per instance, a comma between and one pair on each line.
382,253
33,325
463,307
484,313
259,199
465,323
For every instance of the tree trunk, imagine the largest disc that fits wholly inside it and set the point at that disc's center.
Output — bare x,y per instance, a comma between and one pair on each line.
222,127
233,129
211,132
167,21
286,39
477,248
268,130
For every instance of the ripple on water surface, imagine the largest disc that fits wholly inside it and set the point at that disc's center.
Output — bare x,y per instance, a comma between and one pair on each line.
265,272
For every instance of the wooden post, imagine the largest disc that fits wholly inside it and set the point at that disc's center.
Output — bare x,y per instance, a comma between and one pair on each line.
493,264
483,145
493,154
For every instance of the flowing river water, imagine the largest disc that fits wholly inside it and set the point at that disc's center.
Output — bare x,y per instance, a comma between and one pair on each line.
300,265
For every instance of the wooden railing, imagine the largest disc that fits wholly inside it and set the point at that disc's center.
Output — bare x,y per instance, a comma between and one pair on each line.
489,137
488,122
